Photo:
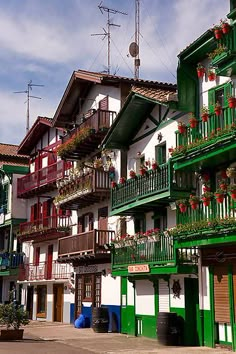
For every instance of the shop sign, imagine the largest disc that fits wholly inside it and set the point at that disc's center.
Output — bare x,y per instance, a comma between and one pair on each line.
139,268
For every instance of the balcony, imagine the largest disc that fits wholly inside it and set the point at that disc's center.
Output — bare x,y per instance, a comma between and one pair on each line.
83,140
85,245
10,262
44,271
92,187
216,137
225,62
158,257
51,227
156,187
41,181
207,225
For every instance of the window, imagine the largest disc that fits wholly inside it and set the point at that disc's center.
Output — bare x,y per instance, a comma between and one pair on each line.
88,287
160,152
139,223
219,94
41,300
4,197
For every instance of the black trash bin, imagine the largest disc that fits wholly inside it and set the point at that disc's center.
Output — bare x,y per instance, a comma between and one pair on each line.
167,328
100,319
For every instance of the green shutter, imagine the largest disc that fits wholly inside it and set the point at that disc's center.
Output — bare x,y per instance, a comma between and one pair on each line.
187,87
227,93
211,100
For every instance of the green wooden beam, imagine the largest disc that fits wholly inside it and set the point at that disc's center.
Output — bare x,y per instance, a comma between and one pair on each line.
153,120
210,239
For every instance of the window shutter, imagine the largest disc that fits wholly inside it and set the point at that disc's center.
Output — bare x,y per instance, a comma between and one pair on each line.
103,104
46,213
80,225
36,256
221,294
211,100
32,213
90,221
227,93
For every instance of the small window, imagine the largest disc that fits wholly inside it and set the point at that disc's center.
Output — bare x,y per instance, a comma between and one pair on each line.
88,287
160,152
41,300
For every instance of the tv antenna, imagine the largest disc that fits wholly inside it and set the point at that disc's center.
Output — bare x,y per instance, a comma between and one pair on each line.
27,91
107,33
134,46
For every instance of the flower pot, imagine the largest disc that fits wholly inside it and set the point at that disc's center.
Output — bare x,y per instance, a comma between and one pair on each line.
142,171
219,198
218,111
233,195
200,73
211,77
194,205
225,28
11,334
182,208
218,33
181,129
154,166
205,117
193,123
122,180
132,174
206,201
231,102
113,184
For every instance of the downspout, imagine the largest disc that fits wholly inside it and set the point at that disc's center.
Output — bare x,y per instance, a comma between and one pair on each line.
200,276
11,241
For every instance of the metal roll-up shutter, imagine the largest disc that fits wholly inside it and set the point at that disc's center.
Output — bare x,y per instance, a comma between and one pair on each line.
221,294
164,297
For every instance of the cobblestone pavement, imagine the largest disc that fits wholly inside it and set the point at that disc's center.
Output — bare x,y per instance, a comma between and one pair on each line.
51,338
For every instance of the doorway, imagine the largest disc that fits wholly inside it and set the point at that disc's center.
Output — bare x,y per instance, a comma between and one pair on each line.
191,337
57,302
30,301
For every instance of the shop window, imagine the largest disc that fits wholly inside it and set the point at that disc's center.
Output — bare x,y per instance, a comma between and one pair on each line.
41,300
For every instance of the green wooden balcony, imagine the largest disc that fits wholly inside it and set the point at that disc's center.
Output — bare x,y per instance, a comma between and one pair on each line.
160,256
156,187
216,137
225,62
207,225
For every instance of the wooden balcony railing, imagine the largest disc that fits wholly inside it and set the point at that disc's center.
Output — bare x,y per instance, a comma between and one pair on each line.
154,182
44,271
10,260
99,120
95,185
207,134
85,243
43,177
58,223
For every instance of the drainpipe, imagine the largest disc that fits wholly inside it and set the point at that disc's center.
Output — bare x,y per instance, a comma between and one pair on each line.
11,241
200,277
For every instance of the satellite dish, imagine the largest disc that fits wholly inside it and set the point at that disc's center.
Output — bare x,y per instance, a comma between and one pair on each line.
133,49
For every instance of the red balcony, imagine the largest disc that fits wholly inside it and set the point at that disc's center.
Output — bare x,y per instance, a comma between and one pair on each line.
86,190
97,124
42,180
92,243
44,271
52,227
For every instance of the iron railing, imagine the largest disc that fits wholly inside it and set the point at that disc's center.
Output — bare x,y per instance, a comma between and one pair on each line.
45,271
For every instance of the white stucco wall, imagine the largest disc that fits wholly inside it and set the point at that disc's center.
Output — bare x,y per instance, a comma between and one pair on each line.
178,302
130,294
110,292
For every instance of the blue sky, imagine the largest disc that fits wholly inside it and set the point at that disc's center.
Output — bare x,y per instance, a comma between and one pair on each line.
45,40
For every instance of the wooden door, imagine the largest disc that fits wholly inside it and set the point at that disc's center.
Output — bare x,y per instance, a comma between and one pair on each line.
49,262
103,225
191,312
124,310
58,302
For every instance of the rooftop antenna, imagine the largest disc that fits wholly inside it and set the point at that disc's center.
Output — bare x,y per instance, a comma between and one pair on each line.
29,88
107,33
134,46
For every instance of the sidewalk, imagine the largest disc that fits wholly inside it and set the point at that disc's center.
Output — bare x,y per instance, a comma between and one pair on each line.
86,341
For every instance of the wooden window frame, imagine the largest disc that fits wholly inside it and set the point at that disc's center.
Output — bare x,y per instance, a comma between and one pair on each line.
42,314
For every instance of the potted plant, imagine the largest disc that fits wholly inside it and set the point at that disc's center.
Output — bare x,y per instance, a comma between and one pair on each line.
113,184
218,109
217,31
13,317
171,149
223,185
206,187
132,174
122,180
206,198
219,195
231,102
182,204
211,75
225,26
181,127
142,170
231,172
192,120
200,70
193,201
205,113
232,189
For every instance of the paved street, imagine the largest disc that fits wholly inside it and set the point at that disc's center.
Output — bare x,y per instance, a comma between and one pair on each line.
64,339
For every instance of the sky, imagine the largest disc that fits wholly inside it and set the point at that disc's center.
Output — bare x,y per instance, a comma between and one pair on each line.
46,40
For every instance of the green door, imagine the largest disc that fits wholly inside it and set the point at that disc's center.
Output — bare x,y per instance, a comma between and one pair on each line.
124,314
191,326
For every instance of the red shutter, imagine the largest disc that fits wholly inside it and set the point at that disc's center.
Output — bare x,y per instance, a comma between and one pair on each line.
52,158
46,213
90,221
68,212
103,104
32,213
36,256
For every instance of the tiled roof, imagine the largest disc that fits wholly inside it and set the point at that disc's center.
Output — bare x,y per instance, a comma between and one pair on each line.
12,163
99,76
10,150
158,94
